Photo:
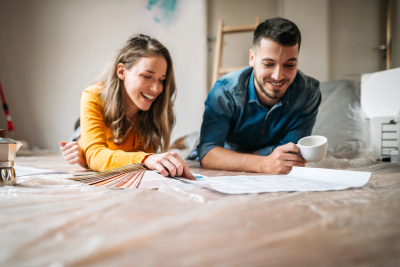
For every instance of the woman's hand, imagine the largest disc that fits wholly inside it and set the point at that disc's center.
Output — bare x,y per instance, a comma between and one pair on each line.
73,153
169,163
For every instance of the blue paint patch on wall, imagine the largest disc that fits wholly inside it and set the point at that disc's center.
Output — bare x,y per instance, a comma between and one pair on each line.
164,10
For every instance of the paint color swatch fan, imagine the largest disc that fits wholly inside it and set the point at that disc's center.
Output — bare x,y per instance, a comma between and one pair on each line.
129,176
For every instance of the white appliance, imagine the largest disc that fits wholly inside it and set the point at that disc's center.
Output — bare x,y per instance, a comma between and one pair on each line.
380,101
384,136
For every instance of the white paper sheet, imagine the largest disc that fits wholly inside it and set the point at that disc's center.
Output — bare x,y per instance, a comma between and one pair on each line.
299,179
26,171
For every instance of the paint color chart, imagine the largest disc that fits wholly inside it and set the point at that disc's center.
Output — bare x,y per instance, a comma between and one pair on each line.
130,176
125,177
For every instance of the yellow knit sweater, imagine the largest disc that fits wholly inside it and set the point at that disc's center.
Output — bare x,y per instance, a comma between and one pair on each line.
101,153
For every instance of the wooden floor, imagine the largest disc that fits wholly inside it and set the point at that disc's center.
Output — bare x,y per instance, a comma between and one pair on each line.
51,221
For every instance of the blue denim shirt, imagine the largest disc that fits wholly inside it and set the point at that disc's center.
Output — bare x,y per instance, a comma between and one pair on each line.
234,117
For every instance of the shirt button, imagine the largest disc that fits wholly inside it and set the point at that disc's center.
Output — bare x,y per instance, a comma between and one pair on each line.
263,132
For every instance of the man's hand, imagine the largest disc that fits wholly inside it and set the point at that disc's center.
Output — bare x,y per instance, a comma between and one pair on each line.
282,159
73,153
169,163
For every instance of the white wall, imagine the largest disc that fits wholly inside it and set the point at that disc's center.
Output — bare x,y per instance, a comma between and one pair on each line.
235,12
357,29
311,16
51,50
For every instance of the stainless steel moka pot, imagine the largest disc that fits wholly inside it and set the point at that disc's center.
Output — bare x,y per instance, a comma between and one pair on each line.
8,150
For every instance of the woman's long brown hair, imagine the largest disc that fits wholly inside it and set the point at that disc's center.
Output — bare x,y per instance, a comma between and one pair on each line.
153,126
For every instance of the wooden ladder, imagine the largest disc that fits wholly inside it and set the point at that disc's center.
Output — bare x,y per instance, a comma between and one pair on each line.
218,70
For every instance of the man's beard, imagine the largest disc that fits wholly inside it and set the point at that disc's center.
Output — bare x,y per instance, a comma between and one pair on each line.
276,96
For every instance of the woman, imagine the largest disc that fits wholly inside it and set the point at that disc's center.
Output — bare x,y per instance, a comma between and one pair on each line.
128,116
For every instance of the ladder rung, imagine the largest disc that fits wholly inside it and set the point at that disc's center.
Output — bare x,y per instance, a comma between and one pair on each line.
242,28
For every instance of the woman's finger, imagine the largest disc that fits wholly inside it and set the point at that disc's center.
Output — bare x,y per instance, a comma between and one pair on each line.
168,163
74,148
73,160
169,166
160,168
68,146
71,156
187,173
68,152
182,167
177,162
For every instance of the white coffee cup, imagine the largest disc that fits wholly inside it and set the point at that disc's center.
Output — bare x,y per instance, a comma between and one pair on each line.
313,148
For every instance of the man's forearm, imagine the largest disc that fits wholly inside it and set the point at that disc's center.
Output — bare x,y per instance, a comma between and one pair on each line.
224,159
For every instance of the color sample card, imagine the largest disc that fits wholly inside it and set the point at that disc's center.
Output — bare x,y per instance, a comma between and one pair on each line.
125,177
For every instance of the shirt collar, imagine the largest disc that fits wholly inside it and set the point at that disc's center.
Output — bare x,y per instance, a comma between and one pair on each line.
252,89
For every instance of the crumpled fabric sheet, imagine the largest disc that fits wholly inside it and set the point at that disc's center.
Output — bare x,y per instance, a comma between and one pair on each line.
47,220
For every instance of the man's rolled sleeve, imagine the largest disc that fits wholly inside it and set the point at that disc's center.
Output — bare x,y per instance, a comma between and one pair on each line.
266,150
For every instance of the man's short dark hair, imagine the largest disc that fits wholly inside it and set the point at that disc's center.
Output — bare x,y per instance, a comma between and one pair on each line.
279,30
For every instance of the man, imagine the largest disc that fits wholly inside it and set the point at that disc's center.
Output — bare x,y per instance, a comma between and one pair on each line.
253,117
